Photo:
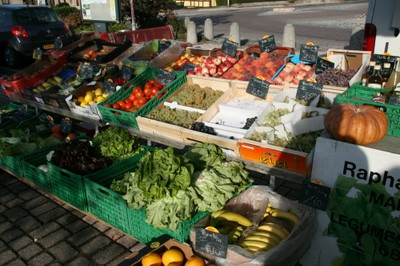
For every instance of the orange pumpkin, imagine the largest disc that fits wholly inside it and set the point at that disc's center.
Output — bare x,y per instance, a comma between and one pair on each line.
361,125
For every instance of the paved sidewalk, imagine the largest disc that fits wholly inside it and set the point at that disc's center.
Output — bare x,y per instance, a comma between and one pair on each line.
38,229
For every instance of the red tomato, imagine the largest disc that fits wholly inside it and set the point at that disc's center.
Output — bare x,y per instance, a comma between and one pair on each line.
148,85
135,102
136,89
107,105
147,91
116,106
154,91
158,85
132,97
152,81
142,101
128,105
139,94
122,104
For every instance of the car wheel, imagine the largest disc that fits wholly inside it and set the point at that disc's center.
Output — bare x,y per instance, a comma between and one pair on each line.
11,57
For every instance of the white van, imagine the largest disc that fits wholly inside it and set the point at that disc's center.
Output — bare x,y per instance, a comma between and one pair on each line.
382,27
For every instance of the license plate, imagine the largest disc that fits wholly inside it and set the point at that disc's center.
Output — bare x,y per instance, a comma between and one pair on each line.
48,46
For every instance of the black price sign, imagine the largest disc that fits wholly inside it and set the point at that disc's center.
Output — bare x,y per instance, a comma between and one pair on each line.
211,243
188,67
165,77
109,86
380,59
309,53
308,90
229,47
258,87
315,195
322,65
86,71
126,72
267,44
163,45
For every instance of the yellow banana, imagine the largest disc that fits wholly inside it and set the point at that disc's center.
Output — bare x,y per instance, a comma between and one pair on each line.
285,215
215,214
235,217
265,234
266,240
256,244
280,231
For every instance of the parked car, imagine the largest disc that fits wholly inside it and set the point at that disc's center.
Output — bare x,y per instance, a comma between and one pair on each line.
382,27
24,28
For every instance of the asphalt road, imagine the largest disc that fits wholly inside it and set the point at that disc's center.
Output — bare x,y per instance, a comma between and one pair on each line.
329,26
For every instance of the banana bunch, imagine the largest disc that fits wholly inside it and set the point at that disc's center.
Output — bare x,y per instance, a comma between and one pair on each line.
47,84
275,226
229,223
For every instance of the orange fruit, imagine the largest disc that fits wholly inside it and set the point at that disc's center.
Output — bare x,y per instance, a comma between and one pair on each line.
195,261
152,259
172,257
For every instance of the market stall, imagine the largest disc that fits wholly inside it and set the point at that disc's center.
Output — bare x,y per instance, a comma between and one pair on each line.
184,140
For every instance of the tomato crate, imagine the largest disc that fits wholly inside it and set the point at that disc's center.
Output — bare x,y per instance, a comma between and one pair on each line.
106,204
361,95
12,164
128,119
30,168
146,233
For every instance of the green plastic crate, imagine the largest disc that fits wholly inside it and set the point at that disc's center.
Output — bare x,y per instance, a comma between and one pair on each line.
146,233
30,171
11,164
360,95
128,119
106,204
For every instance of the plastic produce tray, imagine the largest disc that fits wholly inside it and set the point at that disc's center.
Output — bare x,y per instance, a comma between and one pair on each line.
128,119
12,164
359,95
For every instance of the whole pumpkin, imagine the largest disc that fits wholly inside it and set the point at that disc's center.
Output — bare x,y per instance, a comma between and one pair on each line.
361,125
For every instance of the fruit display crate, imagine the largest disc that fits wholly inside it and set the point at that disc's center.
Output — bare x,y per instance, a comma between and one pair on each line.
106,204
12,164
361,95
30,168
128,119
146,233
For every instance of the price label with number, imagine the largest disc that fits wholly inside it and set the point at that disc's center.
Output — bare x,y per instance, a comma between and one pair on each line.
229,47
308,53
323,64
165,77
258,87
109,86
315,195
308,90
188,67
267,44
211,243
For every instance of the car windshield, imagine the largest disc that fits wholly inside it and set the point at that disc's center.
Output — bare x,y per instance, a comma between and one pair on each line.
35,15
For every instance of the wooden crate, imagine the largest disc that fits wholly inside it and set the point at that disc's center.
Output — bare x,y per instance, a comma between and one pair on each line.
172,131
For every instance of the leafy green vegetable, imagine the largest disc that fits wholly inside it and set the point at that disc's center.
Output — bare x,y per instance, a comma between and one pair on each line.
116,143
203,155
160,173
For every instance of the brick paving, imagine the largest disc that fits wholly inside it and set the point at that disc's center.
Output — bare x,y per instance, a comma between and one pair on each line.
37,228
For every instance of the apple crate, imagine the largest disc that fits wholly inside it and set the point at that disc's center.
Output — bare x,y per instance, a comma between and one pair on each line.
228,116
128,119
149,55
33,74
172,131
106,204
361,95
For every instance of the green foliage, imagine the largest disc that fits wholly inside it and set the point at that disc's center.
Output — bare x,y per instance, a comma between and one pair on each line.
64,11
115,27
73,20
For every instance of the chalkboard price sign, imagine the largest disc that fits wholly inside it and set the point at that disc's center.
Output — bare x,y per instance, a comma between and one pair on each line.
188,67
211,243
229,47
86,71
322,65
165,77
258,87
308,53
109,86
163,45
126,72
66,126
267,44
315,195
308,90
381,59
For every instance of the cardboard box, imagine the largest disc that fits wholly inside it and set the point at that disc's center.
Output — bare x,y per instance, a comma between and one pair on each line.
135,258
91,110
172,131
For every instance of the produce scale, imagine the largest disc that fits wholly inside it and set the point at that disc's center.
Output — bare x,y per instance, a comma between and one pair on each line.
186,148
